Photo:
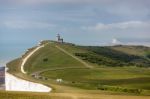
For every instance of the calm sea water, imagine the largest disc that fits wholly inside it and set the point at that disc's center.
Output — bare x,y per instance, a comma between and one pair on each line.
12,50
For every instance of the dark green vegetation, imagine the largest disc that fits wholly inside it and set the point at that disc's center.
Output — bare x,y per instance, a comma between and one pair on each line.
117,69
110,57
148,55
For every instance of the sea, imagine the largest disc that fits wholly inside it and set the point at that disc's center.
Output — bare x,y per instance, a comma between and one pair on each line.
12,50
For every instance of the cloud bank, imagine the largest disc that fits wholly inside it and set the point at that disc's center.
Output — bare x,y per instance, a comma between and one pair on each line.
99,20
121,25
25,24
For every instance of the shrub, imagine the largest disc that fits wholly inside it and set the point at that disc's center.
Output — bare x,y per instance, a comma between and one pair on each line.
45,59
119,89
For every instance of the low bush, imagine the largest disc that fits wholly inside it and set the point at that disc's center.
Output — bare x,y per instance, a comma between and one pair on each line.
119,89
107,60
45,59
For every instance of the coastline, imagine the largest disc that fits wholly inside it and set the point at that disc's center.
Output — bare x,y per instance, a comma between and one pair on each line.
13,83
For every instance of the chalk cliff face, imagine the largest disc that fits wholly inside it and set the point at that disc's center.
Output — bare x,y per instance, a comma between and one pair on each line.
13,83
16,84
2,78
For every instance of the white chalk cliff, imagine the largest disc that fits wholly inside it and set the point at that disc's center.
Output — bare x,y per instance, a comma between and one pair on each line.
13,83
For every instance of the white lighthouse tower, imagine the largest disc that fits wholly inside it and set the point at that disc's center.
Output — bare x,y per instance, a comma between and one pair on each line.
59,39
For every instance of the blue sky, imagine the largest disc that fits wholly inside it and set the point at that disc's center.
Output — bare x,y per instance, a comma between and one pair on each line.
23,23
86,22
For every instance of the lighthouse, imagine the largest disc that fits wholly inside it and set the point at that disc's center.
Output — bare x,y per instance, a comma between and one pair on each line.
59,39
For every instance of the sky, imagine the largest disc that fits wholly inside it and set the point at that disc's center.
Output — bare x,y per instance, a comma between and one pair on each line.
85,22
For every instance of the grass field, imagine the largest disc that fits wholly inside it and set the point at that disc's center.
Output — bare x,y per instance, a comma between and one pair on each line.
27,95
79,81
93,78
55,58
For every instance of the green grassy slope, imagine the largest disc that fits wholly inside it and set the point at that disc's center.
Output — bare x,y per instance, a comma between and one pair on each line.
133,78
50,57
109,56
52,63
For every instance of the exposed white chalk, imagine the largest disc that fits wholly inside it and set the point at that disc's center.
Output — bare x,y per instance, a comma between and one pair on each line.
13,83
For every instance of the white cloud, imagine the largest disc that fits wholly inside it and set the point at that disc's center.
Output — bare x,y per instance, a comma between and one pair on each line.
24,24
139,43
121,25
115,41
131,41
56,1
76,1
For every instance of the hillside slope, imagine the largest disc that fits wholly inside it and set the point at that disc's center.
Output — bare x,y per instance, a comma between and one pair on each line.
86,68
117,56
51,57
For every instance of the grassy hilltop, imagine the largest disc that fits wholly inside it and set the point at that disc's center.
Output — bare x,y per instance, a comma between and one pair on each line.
88,70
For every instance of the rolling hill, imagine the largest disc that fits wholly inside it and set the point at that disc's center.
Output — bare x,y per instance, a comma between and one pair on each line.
92,70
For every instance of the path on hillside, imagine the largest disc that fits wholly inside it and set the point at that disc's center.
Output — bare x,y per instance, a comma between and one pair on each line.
27,57
85,64
61,49
39,72
14,83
